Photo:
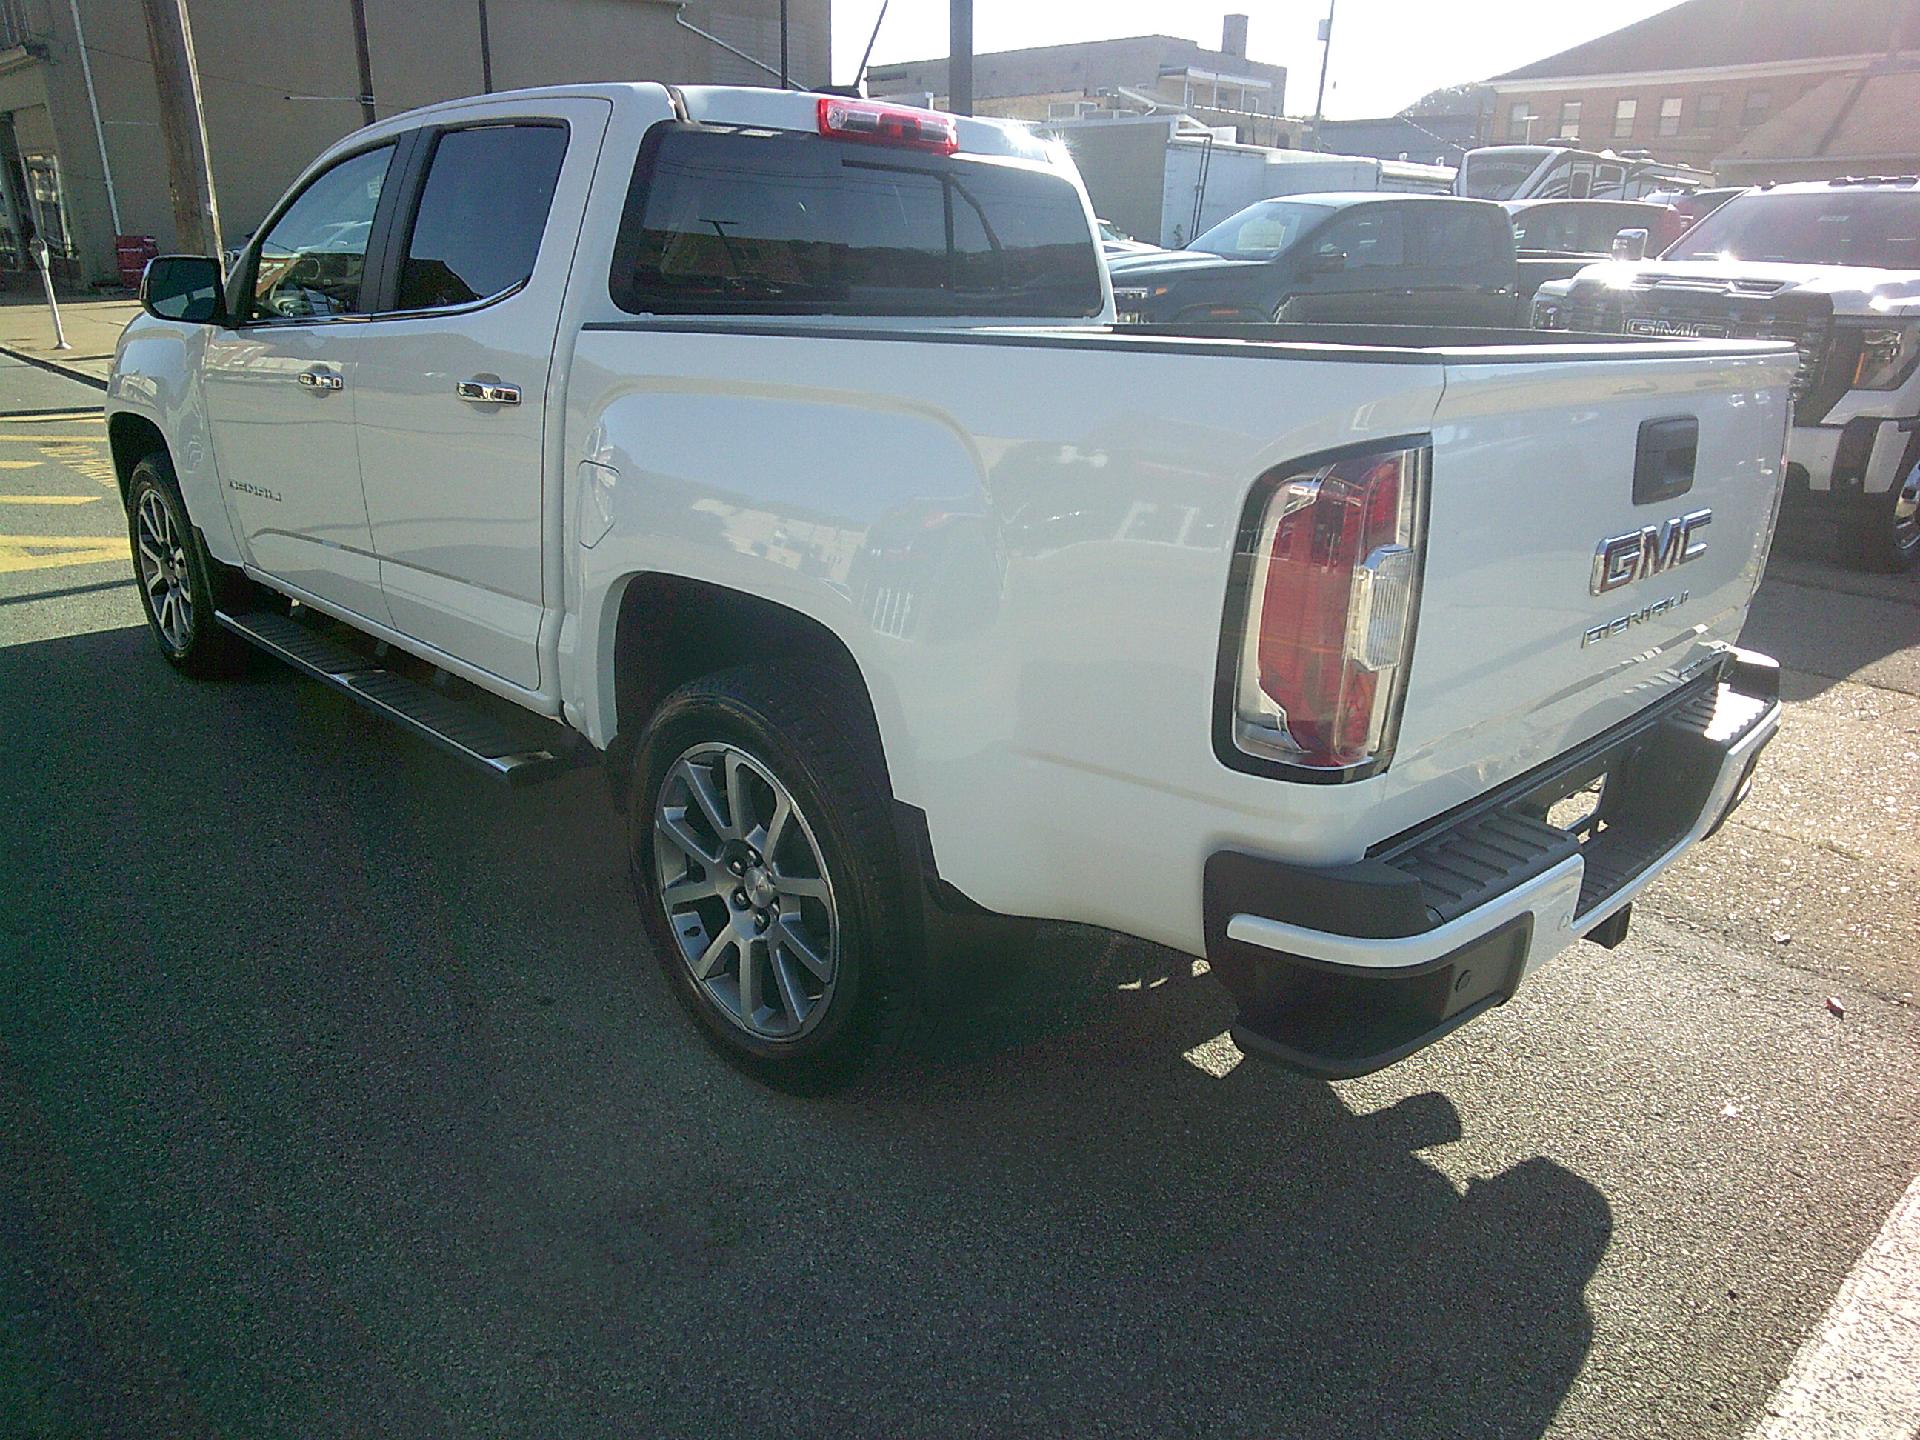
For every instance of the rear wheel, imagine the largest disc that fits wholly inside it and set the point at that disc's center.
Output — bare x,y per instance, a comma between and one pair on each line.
1882,532
761,846
179,584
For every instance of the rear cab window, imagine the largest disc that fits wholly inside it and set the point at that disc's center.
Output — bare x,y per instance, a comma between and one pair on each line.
1460,236
746,221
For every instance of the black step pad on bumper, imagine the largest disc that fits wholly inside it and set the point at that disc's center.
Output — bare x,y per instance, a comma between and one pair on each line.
1663,769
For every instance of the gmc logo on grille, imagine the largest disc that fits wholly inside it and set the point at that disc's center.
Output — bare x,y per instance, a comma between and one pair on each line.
1677,329
1621,559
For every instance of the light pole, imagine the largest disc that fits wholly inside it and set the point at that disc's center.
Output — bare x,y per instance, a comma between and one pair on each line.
1326,50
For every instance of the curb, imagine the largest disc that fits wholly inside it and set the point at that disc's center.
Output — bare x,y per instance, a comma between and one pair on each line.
84,377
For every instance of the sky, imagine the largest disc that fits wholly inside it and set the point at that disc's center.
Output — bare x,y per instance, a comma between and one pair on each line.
1386,53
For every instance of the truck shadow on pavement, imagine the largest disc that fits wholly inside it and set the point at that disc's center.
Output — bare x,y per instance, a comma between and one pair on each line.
343,1099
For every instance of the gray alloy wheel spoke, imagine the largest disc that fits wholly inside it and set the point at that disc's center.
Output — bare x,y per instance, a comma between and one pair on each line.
760,944
715,952
792,996
691,888
700,786
749,978
797,945
673,825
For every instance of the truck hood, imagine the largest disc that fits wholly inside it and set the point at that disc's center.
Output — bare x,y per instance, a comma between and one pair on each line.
1853,289
1132,270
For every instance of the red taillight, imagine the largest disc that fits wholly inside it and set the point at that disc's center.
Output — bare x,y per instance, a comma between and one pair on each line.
889,125
1330,612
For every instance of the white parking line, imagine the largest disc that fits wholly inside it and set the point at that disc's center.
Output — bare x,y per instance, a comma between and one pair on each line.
1858,1377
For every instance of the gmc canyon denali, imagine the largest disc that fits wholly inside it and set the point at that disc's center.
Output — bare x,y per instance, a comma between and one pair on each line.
1833,267
779,453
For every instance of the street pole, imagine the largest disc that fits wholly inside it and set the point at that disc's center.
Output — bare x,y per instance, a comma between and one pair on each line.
486,52
960,59
93,108
1326,50
183,127
783,44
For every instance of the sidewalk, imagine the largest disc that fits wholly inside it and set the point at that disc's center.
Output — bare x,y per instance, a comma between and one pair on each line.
93,328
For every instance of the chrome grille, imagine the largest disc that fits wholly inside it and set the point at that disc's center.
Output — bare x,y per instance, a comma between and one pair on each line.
1805,322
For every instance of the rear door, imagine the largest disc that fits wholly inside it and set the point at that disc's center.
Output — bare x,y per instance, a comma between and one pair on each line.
1464,271
454,371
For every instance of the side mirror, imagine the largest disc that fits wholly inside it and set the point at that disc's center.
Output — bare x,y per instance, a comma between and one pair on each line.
1326,262
1630,245
184,287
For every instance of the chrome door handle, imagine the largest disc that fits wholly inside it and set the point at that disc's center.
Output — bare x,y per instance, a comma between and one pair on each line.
488,392
321,380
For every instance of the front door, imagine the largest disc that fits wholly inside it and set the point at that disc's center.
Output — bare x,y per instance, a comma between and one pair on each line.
279,389
452,382
1355,270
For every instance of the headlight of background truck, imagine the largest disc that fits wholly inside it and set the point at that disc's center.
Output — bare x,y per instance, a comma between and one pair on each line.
1885,356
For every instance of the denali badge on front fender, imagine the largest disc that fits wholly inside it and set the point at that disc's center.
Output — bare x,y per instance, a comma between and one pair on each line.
1621,559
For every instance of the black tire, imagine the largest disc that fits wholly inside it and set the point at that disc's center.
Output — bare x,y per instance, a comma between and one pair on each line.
197,646
818,742
1882,532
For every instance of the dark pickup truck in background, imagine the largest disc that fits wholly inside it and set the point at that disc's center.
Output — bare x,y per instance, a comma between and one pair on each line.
1557,239
1353,258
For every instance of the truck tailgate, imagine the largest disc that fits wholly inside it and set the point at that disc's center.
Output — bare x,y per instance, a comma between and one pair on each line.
1521,651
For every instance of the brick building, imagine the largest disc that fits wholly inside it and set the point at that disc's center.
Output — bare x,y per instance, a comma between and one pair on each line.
1691,83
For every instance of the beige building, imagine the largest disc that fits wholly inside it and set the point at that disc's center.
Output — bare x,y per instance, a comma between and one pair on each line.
281,79
1101,79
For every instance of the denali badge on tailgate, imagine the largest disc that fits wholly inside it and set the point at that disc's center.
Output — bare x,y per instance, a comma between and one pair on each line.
1622,559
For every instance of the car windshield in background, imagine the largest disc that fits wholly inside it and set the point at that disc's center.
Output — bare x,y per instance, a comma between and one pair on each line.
773,222
1260,231
1843,227
1495,177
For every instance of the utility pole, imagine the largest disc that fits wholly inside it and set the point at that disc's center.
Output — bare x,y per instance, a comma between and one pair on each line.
783,44
1326,50
960,59
183,127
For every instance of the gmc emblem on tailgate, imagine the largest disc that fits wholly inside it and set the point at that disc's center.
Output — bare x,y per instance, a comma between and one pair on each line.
1622,559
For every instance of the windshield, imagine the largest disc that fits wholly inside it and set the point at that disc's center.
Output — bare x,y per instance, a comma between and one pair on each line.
1838,228
1260,231
1496,175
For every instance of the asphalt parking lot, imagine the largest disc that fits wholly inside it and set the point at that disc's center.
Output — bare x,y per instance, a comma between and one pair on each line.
337,1098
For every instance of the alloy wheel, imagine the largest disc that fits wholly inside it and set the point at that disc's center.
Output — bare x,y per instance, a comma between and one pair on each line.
162,558
1906,512
746,892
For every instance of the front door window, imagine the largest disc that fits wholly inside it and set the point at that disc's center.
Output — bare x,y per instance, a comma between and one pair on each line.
312,263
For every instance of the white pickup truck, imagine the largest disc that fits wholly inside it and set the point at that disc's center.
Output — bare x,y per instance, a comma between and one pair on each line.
1833,267
779,452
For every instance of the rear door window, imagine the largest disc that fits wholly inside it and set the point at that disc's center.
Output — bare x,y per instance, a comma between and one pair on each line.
729,221
482,211
1458,237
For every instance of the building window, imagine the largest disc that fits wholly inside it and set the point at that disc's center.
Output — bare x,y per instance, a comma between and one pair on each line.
1517,118
1569,120
1706,113
1754,112
1670,115
1623,113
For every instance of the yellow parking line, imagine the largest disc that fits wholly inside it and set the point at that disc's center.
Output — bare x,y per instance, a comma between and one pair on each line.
35,438
52,552
48,499
78,417
18,464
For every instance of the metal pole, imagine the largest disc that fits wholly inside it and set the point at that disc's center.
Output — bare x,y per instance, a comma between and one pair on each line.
1326,50
53,305
364,55
783,44
486,52
960,58
183,127
93,105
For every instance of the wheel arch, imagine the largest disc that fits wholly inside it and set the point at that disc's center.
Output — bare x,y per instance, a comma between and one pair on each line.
130,439
670,629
